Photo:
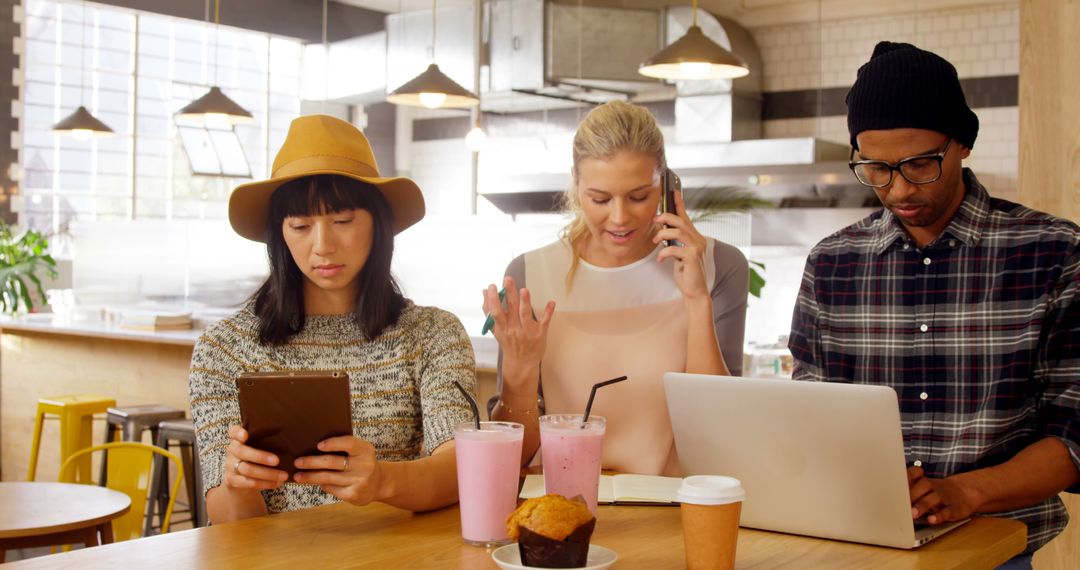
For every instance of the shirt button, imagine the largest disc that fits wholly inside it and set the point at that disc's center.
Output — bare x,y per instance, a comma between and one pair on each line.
907,247
924,328
918,463
952,243
926,261
924,396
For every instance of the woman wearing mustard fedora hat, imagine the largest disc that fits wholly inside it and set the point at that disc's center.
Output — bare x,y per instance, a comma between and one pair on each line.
330,303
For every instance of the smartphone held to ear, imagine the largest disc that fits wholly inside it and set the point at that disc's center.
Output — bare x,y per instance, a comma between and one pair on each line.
669,185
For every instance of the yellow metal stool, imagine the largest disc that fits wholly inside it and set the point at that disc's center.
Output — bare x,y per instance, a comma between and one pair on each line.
76,413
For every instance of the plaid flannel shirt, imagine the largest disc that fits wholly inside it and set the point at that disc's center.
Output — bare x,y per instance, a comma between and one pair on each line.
978,332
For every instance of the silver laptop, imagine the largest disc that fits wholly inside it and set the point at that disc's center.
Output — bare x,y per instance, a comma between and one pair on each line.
815,458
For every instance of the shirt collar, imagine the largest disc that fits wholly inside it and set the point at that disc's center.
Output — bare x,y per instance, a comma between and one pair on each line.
966,226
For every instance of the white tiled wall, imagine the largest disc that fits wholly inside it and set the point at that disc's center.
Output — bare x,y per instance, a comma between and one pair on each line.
980,42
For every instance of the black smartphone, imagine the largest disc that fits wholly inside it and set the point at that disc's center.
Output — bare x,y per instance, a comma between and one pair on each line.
669,185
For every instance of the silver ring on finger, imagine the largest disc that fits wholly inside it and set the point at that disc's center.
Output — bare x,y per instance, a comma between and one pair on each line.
345,466
236,468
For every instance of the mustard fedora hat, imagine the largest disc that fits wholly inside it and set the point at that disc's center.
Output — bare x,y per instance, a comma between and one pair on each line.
320,144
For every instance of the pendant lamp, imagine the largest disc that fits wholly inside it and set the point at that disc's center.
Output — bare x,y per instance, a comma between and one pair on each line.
215,108
433,88
81,124
694,56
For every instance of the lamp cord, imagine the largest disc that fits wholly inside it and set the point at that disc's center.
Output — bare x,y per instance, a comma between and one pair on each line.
694,21
326,59
433,31
217,37
82,71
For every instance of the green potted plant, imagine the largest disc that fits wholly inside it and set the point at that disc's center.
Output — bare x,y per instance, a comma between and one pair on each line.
22,256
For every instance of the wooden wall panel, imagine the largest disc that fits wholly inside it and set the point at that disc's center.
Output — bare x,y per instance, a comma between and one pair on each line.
1049,108
1050,160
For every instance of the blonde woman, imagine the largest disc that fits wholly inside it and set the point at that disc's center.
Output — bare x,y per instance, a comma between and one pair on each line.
626,303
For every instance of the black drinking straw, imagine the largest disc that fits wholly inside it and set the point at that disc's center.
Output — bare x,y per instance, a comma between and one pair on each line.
475,410
592,394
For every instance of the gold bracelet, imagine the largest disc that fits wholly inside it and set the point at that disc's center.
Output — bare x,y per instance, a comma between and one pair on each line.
527,411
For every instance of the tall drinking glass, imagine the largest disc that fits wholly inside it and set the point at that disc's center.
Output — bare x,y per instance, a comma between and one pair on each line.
571,453
488,468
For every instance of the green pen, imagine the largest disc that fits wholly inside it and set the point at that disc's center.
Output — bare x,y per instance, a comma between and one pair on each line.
490,322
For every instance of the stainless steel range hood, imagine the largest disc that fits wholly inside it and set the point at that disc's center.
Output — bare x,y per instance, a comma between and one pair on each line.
716,142
790,173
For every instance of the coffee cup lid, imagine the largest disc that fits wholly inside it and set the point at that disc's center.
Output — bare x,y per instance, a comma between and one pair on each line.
710,490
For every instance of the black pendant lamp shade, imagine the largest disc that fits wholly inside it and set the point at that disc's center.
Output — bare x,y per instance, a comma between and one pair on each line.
81,124
433,89
215,102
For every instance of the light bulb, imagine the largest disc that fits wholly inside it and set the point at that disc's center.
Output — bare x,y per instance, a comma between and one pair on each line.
219,121
81,134
695,69
432,100
476,140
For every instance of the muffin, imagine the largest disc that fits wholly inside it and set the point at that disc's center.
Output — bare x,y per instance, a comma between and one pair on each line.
552,532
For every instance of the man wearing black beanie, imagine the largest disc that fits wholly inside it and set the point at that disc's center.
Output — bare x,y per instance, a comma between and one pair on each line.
967,305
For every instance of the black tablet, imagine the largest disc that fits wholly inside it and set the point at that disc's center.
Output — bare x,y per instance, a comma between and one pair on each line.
289,413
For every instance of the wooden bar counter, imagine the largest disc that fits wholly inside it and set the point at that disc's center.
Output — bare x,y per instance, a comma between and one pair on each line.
378,536
45,356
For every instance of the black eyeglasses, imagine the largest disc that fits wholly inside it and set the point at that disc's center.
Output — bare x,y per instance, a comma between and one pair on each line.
920,169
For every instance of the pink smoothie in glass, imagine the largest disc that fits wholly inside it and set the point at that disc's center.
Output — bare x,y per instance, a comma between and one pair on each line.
571,455
488,466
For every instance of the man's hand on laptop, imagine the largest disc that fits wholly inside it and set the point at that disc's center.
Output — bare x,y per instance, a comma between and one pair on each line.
939,500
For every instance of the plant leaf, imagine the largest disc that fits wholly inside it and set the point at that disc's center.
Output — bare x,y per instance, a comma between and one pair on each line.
756,282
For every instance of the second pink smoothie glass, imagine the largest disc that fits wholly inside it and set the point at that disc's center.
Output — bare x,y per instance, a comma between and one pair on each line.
488,467
571,454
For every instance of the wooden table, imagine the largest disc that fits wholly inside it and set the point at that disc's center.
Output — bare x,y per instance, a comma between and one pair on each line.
47,514
377,536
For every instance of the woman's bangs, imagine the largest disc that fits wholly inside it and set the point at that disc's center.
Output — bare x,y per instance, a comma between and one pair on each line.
324,194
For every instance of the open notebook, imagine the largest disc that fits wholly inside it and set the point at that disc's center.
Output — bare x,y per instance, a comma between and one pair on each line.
623,489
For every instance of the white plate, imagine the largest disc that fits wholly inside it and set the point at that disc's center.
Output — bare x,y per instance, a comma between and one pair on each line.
509,558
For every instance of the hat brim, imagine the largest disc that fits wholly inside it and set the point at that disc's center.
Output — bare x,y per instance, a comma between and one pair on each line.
249,204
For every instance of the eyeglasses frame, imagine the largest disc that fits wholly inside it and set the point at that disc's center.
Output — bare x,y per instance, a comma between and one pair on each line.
894,168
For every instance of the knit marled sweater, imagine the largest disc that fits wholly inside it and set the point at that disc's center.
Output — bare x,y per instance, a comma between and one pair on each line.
403,398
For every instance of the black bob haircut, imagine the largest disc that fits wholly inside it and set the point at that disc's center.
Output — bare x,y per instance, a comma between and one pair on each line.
279,302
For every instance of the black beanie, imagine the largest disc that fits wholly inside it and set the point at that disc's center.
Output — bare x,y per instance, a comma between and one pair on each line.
903,86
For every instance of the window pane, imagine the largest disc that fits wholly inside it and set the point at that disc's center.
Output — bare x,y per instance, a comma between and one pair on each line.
74,58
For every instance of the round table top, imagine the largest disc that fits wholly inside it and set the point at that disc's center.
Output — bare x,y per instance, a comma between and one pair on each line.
35,508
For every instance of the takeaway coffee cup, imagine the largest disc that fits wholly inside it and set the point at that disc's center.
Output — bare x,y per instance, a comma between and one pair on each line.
711,505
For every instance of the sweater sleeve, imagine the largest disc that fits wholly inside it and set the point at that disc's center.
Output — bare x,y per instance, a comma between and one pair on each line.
729,297
214,402
447,357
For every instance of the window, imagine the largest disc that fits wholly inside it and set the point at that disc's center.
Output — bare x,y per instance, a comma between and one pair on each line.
140,68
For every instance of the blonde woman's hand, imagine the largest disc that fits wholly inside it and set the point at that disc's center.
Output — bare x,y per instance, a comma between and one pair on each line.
249,468
522,337
689,257
355,477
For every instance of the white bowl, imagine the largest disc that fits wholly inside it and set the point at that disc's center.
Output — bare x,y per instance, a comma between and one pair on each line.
509,558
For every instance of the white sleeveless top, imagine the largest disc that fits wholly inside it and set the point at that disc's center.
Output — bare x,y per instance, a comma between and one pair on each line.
628,320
